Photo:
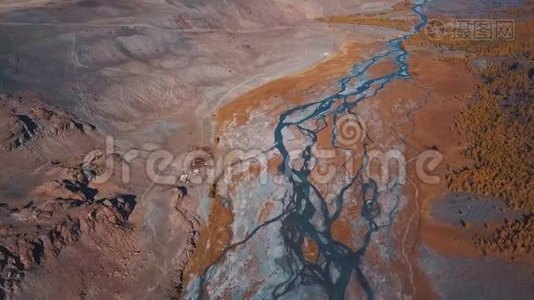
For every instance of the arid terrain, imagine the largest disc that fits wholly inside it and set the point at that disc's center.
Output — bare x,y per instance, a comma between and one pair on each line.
343,149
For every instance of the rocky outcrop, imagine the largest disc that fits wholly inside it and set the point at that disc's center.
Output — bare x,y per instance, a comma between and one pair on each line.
25,120
25,248
193,222
61,212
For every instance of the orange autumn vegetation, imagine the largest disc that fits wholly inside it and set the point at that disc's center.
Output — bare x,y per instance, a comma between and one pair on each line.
290,90
310,250
400,17
498,124
213,239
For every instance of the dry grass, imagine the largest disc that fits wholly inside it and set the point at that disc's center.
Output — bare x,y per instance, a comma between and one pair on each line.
292,89
213,239
498,122
379,20
522,46
404,5
399,18
514,237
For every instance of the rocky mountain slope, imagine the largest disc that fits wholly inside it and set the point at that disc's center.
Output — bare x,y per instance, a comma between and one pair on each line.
149,74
